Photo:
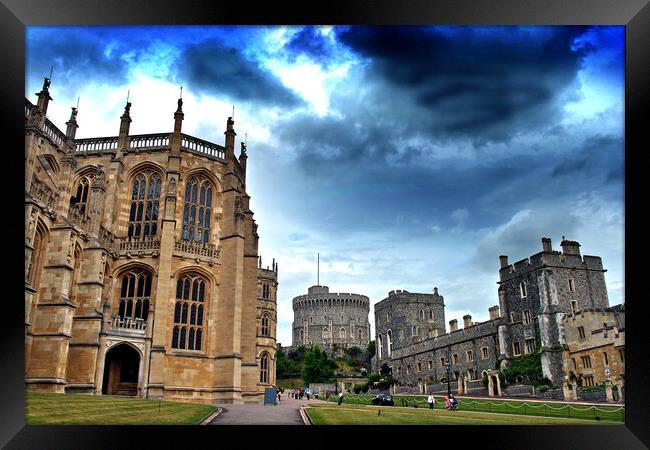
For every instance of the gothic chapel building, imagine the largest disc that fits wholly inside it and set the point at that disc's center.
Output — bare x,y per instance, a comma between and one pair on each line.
142,275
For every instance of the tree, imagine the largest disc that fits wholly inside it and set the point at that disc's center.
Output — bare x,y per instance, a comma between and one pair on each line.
371,349
353,351
317,367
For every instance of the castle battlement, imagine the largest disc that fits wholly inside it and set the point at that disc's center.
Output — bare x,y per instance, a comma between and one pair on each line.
330,299
569,258
400,295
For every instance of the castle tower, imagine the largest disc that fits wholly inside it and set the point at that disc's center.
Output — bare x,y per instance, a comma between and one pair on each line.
537,292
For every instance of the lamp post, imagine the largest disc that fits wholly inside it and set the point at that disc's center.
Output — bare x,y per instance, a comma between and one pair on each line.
448,382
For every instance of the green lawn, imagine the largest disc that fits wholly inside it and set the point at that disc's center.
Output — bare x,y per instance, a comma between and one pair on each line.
614,413
390,415
75,409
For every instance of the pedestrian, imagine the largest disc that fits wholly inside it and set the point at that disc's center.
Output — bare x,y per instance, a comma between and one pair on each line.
278,395
340,397
307,393
431,400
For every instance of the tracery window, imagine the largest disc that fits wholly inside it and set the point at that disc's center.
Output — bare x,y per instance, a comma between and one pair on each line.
135,295
81,198
266,329
265,291
188,312
145,201
37,255
264,368
342,333
197,210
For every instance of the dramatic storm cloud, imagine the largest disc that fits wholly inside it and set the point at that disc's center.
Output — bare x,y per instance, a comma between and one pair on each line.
409,157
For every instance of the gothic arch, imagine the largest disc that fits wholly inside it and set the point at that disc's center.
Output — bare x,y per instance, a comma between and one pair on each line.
134,347
196,269
131,173
218,185
121,269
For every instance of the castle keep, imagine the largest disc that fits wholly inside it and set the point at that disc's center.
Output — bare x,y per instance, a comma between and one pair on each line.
331,320
536,296
142,274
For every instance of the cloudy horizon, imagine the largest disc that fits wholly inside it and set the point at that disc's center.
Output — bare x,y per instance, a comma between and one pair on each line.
408,157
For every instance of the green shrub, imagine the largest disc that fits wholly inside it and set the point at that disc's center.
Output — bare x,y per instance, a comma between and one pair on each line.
543,388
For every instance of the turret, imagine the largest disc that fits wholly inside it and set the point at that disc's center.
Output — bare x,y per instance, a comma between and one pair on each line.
178,124
125,123
230,138
72,124
44,97
243,157
570,247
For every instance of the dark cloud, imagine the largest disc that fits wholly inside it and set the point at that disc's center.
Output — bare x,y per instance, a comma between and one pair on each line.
77,56
218,70
309,41
599,155
484,83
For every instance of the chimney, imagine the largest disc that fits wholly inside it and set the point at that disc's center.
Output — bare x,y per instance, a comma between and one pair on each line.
494,312
546,245
467,321
453,325
503,260
570,247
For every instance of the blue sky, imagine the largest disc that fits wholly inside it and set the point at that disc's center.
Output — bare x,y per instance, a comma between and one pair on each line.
409,157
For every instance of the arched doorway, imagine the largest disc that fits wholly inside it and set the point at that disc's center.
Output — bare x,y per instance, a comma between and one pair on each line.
121,370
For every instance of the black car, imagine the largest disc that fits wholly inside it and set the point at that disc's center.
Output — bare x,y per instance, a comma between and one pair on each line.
383,400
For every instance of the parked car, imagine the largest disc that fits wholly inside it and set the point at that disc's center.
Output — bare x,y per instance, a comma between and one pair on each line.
383,400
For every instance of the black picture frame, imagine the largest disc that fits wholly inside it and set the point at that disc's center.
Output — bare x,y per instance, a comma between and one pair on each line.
634,14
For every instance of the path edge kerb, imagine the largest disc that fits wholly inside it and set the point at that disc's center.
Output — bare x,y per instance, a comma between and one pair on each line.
209,419
305,417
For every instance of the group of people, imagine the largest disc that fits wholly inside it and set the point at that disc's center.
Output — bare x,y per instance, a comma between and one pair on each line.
450,401
298,394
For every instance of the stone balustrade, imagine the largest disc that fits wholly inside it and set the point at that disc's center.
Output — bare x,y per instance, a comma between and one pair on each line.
101,144
193,249
131,248
57,136
154,141
118,322
201,146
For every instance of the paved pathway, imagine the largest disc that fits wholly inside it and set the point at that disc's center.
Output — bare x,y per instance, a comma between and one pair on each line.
286,412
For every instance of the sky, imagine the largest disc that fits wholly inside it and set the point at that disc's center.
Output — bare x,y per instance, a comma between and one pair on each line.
408,157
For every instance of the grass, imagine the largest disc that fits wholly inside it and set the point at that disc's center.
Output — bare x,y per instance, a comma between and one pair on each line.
391,415
509,407
77,409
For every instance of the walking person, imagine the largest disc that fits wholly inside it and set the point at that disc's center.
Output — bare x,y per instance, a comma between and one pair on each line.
340,397
431,400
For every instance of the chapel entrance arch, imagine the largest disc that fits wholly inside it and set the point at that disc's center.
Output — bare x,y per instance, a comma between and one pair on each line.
121,371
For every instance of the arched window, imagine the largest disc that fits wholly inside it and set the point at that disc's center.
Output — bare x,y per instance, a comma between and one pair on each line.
82,196
135,295
522,289
421,314
302,335
265,291
430,314
189,310
389,342
34,269
380,347
265,363
266,328
325,332
360,334
342,333
414,330
145,199
197,210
